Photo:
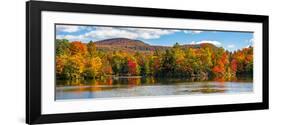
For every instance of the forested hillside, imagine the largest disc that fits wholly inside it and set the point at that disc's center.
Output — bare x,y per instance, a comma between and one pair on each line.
126,57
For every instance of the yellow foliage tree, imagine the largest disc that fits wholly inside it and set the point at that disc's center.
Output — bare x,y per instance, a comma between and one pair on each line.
93,67
74,67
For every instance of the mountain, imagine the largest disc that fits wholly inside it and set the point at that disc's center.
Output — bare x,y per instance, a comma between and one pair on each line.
137,45
121,42
126,44
202,45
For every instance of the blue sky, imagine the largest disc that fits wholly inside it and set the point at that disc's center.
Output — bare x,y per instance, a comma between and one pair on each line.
163,37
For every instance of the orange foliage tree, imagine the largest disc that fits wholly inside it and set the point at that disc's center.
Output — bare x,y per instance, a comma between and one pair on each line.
78,47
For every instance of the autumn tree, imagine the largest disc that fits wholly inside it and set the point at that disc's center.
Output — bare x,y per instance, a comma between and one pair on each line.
78,47
60,64
62,47
193,62
168,63
143,62
106,67
234,66
116,62
133,67
155,63
178,54
206,58
219,68
91,47
244,60
93,68
73,67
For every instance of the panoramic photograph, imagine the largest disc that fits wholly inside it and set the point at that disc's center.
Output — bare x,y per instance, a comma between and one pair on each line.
94,61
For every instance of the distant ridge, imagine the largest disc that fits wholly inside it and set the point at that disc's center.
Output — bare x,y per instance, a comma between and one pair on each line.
121,42
138,45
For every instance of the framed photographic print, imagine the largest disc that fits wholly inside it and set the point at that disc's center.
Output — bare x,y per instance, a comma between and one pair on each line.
95,62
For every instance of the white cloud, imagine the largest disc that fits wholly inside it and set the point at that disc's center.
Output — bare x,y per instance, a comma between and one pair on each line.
231,46
68,28
196,31
132,33
193,42
72,37
192,31
69,37
217,43
251,41
99,33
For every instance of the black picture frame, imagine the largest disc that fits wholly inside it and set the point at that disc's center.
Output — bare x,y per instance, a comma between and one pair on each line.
33,61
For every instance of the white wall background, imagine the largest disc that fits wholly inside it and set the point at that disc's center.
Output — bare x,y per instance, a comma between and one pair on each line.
12,64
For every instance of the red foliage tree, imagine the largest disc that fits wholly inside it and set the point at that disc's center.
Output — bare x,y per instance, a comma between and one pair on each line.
133,67
218,69
234,65
78,47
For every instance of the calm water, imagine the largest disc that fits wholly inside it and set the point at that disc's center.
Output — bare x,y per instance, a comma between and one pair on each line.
146,86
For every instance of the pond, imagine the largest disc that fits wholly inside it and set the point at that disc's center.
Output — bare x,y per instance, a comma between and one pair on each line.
110,87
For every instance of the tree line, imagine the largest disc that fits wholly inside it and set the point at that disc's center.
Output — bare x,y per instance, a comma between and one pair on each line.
77,60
